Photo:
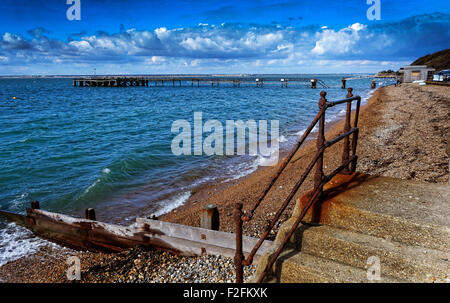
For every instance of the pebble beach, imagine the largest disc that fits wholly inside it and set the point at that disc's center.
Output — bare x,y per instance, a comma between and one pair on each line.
403,133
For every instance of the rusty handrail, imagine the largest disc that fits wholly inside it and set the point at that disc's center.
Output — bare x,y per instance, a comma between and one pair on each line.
348,165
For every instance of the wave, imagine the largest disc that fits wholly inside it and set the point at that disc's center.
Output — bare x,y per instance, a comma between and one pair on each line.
17,242
301,132
282,139
18,203
172,203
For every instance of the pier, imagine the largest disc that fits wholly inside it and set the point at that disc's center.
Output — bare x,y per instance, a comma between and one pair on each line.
192,81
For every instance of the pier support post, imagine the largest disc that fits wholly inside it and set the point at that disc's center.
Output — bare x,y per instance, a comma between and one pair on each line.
210,217
343,83
90,214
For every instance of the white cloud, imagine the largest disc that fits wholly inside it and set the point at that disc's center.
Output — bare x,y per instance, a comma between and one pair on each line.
155,60
236,45
338,42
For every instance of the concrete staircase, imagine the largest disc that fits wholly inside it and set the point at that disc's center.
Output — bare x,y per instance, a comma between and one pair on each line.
403,224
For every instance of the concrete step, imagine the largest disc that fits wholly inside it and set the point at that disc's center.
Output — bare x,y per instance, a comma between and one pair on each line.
299,267
398,260
410,212
404,224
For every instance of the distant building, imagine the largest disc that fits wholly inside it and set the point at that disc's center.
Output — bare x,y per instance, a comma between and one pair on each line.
413,73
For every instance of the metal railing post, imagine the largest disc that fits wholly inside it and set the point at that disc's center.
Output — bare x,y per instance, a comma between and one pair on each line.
239,256
349,158
346,151
355,135
319,175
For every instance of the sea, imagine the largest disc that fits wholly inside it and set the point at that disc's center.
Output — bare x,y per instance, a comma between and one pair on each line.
71,148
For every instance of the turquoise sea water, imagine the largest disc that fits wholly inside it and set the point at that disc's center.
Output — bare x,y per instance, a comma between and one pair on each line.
110,148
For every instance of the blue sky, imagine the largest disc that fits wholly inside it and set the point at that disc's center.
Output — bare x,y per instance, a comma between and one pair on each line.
208,36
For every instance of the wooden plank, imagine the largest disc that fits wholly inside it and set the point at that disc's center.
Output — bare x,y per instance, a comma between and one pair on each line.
200,235
83,233
16,218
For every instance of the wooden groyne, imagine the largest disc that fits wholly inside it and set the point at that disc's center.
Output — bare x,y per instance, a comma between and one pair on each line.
89,234
148,81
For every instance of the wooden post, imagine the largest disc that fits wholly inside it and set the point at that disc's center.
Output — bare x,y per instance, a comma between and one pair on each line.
239,255
35,205
343,83
346,151
90,214
209,218
319,175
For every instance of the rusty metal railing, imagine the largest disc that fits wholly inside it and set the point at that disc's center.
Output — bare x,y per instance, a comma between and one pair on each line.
348,165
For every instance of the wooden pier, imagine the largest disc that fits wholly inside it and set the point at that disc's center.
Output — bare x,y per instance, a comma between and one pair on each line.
192,81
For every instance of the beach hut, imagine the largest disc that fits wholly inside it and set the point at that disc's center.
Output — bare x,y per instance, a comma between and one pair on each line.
413,73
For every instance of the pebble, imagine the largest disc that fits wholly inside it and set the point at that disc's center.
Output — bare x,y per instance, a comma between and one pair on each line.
139,265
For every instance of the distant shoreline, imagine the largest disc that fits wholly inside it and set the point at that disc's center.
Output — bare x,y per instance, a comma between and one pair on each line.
144,75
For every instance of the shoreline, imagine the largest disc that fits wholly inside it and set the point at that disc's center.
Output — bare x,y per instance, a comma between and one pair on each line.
201,191
204,193
373,131
397,127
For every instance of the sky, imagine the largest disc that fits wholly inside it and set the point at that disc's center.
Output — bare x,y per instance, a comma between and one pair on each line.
210,37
